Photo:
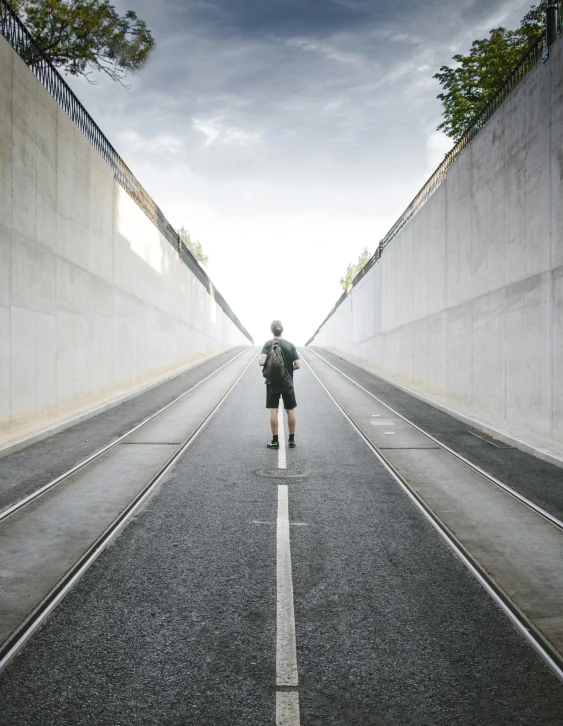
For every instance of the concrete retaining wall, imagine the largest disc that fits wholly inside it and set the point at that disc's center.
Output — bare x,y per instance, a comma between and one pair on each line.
94,301
465,305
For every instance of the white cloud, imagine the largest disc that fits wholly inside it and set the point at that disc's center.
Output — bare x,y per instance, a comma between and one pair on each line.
396,37
217,132
325,49
132,141
437,146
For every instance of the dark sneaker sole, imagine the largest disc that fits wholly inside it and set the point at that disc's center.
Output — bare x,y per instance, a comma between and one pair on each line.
292,444
273,446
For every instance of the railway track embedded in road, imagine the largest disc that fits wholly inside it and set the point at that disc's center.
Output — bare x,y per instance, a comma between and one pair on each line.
21,634
543,647
13,508
520,497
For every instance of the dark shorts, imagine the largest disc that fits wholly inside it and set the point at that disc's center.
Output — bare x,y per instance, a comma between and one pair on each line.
273,398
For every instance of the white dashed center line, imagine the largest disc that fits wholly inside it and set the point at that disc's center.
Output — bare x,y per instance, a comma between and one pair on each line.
286,656
282,462
287,702
287,708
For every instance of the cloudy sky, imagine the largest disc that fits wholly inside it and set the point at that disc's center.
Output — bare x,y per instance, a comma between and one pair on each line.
287,135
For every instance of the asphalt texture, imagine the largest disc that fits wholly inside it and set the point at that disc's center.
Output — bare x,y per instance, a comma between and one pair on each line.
175,622
538,480
24,471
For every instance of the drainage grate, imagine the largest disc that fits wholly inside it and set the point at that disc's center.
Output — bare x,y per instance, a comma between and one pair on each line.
416,448
282,473
151,443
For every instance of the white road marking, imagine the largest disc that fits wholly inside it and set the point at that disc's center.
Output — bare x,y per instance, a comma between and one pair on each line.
287,708
287,702
291,524
286,653
282,463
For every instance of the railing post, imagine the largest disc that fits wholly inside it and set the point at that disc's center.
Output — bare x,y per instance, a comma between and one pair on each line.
551,22
550,27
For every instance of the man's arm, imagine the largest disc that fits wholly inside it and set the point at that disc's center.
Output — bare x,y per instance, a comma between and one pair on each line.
266,348
296,361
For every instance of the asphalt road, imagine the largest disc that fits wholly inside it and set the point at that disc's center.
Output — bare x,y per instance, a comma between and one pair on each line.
175,623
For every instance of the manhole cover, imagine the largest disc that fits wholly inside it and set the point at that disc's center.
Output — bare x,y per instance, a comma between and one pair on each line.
282,473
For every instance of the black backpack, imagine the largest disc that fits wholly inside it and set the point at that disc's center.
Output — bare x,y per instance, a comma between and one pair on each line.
274,367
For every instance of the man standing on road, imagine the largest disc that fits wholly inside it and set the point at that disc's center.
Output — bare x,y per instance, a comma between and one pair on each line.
285,389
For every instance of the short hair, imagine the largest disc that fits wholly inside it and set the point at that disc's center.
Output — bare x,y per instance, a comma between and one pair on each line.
276,327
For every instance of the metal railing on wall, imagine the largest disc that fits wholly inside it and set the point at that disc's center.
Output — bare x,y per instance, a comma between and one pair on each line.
539,50
17,35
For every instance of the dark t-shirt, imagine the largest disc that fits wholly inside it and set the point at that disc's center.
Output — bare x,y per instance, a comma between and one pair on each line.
289,352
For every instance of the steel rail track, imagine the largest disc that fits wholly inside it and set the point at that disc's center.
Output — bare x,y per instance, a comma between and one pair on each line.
5,513
520,497
552,658
16,641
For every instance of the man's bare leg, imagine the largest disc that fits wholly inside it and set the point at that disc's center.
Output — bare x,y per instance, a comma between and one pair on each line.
291,421
274,421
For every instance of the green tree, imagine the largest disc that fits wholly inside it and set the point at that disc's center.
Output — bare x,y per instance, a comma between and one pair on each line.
80,36
478,76
352,270
193,245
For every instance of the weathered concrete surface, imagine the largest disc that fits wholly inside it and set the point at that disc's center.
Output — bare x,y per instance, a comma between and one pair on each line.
465,305
94,301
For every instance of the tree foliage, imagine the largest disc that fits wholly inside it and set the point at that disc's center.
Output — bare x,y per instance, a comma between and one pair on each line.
80,36
193,245
352,270
478,76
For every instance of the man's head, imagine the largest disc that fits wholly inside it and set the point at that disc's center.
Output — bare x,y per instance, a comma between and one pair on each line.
276,327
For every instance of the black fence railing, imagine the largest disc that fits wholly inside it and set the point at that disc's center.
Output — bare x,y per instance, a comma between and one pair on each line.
25,46
537,51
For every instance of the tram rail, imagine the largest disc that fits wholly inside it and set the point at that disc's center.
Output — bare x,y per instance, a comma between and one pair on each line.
523,624
34,619
13,508
520,497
